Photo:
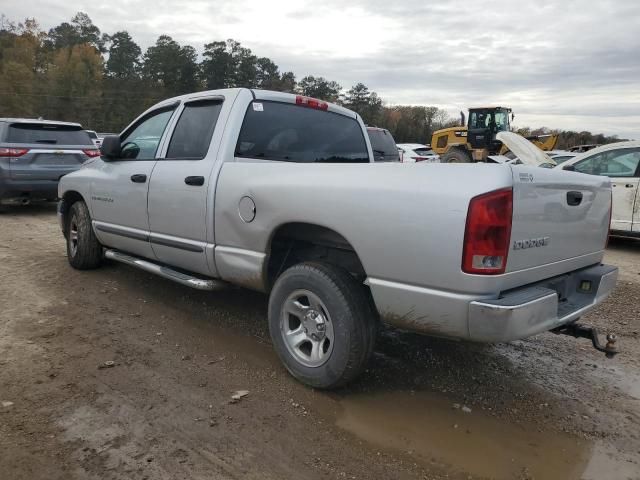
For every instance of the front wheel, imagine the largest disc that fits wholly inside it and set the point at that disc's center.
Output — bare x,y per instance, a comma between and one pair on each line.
321,324
83,249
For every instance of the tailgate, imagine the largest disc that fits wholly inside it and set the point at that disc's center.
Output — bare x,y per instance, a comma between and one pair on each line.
557,215
46,164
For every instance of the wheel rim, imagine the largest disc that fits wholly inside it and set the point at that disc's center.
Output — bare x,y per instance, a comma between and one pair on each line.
73,236
306,328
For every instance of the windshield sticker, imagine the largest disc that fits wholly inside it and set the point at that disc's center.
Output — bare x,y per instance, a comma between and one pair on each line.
258,107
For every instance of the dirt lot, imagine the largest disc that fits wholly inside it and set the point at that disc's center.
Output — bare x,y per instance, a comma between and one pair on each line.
546,408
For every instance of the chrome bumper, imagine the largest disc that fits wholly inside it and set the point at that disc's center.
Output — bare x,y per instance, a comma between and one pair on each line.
538,308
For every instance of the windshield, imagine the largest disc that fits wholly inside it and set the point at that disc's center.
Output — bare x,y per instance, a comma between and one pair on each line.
497,121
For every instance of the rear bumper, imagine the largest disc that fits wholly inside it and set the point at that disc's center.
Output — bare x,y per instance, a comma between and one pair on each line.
493,317
34,189
538,308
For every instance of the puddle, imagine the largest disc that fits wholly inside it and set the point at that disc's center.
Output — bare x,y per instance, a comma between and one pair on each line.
423,425
607,462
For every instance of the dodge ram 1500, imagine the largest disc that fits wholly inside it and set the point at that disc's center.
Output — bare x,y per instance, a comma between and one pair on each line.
280,193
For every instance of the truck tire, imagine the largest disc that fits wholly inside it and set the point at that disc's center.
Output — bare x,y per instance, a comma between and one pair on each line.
456,155
83,249
322,324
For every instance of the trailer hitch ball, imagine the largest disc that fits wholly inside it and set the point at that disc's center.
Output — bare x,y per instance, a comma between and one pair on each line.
584,331
610,348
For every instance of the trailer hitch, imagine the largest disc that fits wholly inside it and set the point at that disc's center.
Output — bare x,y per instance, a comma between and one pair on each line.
583,331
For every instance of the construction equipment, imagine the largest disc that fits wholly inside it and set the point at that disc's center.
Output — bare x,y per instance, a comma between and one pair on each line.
477,140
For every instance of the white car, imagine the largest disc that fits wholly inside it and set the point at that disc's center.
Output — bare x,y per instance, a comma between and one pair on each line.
620,162
416,152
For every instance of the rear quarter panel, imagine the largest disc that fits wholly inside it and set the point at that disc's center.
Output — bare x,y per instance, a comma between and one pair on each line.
405,221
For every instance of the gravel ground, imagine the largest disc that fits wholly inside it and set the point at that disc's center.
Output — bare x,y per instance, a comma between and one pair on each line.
117,374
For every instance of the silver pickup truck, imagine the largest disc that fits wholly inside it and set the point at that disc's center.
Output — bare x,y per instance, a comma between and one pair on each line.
279,193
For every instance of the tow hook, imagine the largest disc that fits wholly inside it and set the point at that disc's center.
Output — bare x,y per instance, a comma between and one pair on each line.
583,331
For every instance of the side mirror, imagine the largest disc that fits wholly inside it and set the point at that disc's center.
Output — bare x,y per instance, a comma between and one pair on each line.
570,168
110,148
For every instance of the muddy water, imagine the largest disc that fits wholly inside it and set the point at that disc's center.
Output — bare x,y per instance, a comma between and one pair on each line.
429,428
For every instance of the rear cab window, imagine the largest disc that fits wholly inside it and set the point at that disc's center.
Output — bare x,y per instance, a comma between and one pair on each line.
293,133
47,134
383,146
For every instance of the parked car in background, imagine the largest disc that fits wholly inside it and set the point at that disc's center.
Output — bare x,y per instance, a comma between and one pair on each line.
416,152
383,145
583,148
94,138
279,193
620,162
35,154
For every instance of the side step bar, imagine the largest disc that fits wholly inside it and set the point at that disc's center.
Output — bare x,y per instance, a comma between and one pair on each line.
166,272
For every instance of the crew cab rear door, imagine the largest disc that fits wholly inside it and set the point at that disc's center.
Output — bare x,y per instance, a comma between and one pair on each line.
181,192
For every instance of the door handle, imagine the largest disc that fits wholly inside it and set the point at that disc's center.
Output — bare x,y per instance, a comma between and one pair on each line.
629,185
139,178
196,181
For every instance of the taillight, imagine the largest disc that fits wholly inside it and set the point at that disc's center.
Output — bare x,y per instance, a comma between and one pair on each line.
488,233
420,159
311,103
91,152
13,152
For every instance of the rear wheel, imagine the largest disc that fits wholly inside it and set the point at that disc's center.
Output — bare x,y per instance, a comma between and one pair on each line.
322,324
83,249
456,155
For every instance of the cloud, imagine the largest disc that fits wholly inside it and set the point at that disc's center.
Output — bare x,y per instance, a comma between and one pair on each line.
566,64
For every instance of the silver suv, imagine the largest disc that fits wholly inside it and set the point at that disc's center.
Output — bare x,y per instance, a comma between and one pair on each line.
35,154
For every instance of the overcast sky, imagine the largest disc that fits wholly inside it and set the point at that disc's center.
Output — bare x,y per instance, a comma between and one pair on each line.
571,64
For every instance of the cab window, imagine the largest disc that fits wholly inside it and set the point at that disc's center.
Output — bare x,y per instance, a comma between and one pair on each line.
141,142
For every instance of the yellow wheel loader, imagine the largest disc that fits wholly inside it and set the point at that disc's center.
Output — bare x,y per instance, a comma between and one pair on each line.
475,141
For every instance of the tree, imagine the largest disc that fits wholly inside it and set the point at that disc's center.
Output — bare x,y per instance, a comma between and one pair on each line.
267,74
366,103
319,87
217,66
75,82
171,67
287,82
80,30
124,56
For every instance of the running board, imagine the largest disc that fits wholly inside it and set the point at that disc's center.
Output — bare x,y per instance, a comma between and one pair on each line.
166,272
